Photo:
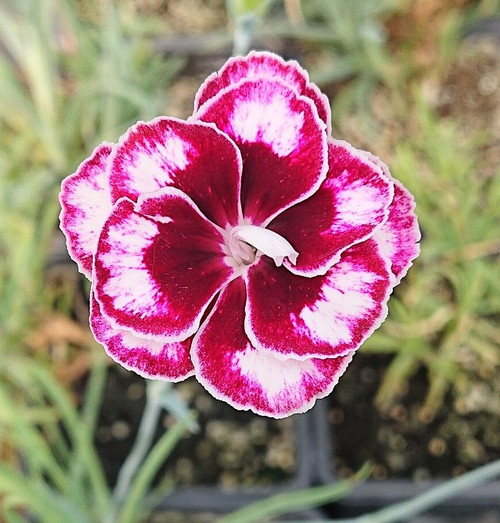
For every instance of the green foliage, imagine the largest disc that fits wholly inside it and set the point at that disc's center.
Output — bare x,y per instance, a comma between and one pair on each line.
403,511
352,34
246,16
66,84
241,8
61,478
350,40
409,509
297,500
449,305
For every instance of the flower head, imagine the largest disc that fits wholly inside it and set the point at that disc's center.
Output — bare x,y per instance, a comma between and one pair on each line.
244,246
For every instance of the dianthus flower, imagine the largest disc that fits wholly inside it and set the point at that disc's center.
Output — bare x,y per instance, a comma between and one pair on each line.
244,246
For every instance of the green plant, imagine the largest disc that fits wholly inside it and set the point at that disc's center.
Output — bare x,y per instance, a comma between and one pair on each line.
246,16
351,41
61,477
66,83
449,307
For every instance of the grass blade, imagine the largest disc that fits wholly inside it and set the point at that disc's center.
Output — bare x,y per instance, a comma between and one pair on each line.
296,500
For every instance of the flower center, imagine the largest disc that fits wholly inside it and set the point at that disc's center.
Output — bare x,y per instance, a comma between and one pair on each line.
246,241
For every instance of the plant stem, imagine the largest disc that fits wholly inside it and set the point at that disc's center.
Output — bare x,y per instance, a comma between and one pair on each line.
245,15
145,435
243,34
145,475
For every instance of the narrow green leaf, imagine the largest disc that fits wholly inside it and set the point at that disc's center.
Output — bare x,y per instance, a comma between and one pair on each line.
296,500
407,510
148,470
77,431
49,506
89,415
32,446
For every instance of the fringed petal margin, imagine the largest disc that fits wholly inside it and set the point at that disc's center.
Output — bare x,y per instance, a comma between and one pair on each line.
398,237
194,157
85,204
282,143
264,64
149,358
232,370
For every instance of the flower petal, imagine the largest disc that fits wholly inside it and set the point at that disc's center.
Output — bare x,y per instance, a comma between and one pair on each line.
232,370
350,204
281,139
85,204
156,275
194,157
262,63
325,316
398,237
149,358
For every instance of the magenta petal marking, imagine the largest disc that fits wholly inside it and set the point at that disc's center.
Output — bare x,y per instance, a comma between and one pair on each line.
322,104
281,139
194,157
156,275
399,235
232,370
264,64
86,203
149,358
324,316
350,204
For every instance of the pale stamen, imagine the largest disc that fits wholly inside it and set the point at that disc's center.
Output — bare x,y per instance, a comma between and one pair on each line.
246,240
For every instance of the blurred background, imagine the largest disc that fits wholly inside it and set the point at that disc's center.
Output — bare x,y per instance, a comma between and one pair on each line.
417,82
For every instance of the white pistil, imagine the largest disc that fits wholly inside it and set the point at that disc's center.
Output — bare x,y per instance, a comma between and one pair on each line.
246,240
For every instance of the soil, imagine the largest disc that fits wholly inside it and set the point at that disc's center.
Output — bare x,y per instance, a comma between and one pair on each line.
401,442
470,93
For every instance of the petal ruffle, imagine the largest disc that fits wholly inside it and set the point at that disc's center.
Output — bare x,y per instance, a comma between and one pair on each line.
194,157
85,204
149,358
350,204
158,265
258,64
325,316
232,370
398,237
281,139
